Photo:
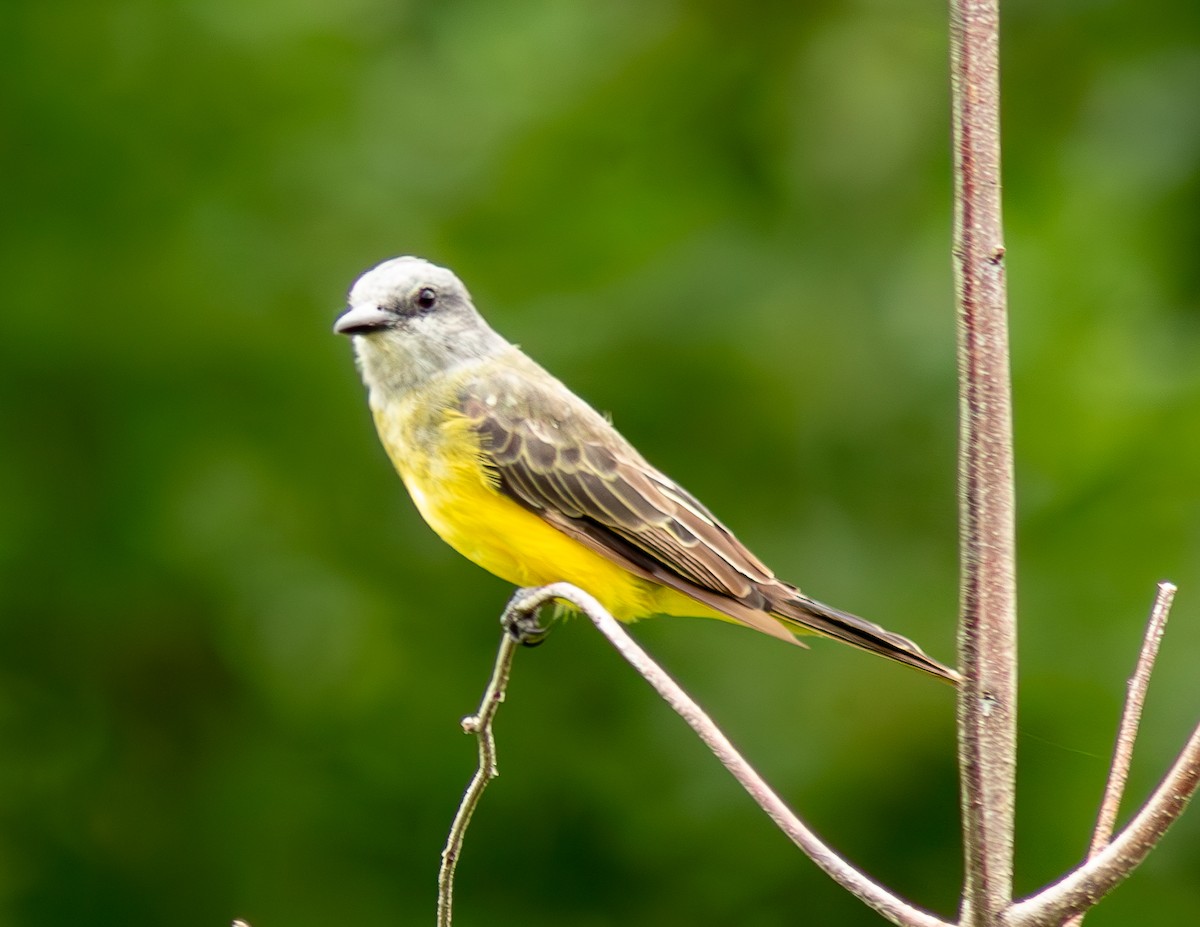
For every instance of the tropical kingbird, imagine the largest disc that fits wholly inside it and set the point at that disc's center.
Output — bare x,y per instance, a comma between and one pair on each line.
520,475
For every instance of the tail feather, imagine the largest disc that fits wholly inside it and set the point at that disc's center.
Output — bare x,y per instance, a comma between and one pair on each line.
808,615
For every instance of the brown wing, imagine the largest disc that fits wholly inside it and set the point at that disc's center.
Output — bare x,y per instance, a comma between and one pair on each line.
556,456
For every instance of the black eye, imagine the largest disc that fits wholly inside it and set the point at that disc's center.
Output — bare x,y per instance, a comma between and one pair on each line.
426,297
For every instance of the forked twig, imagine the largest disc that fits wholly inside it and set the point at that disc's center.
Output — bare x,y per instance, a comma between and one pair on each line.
479,724
1127,730
987,630
1084,886
871,893
1109,862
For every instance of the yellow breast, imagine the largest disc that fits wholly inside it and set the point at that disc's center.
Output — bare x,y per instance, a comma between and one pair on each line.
442,466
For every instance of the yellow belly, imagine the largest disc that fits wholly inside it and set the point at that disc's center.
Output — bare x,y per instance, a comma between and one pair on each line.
458,498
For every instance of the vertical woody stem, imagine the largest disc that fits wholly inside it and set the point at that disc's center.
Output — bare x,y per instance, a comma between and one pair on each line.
987,636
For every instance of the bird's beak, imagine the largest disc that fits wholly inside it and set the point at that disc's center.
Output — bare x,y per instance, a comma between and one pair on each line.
362,320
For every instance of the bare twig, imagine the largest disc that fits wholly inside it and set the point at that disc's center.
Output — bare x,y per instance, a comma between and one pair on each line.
1127,730
479,724
1083,887
892,907
987,632
1135,699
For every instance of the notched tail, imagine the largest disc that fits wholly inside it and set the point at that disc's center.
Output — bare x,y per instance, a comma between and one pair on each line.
816,617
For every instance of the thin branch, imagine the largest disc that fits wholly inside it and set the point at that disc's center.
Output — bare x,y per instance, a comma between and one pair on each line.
892,907
1127,730
987,630
479,724
1081,889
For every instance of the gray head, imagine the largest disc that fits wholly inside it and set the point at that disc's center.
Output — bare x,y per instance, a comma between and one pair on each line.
412,320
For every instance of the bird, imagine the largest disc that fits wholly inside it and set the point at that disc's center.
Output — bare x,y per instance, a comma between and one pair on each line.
527,480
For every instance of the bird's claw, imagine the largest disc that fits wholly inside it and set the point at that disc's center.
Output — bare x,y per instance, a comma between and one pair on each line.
520,620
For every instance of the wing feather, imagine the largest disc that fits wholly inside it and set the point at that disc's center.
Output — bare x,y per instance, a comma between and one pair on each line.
554,455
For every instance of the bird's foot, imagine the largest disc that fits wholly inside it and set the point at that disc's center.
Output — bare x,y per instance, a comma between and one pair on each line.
520,619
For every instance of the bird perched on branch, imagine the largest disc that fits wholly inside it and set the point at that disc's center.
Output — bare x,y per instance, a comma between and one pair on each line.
521,476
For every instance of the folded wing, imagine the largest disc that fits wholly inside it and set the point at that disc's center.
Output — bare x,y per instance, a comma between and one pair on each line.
557,457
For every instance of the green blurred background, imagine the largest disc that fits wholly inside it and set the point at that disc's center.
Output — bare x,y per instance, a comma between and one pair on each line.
232,660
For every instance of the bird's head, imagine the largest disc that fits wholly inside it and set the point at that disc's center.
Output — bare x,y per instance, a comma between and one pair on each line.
411,320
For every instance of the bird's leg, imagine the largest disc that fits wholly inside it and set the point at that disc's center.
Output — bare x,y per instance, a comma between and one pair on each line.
520,618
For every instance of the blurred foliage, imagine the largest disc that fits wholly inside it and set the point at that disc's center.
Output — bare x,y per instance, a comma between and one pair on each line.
232,660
